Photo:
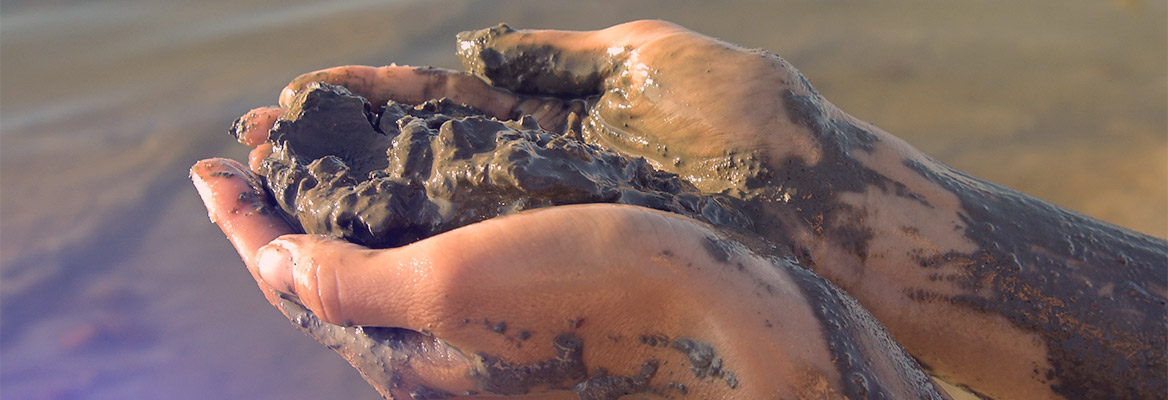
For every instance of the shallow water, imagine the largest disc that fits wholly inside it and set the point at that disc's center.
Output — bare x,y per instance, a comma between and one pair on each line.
115,285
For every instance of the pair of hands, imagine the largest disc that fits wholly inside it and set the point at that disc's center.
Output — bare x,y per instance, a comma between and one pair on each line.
609,274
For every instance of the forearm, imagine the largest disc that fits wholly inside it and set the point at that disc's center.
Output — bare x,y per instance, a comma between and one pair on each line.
989,287
1093,293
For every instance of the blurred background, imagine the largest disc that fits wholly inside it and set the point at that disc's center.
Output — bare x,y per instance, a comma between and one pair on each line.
115,285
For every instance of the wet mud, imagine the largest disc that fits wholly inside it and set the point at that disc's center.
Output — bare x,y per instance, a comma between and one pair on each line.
523,69
704,361
391,175
601,386
562,372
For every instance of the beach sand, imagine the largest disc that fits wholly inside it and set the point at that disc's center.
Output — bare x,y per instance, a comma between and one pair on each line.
114,284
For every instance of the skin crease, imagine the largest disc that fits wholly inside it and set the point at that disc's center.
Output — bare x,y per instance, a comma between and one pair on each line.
671,112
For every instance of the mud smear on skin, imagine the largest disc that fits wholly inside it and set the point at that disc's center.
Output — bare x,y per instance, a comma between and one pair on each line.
380,353
377,353
844,320
564,371
542,70
704,361
1072,280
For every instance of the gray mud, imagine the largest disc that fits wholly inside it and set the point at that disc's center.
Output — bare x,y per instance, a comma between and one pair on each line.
390,176
704,361
541,71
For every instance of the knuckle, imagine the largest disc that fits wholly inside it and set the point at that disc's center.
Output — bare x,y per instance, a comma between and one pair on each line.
449,291
316,287
649,25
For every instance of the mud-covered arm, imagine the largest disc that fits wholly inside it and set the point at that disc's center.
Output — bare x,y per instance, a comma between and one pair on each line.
992,289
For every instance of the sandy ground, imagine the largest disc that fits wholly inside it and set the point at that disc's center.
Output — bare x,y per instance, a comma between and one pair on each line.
115,285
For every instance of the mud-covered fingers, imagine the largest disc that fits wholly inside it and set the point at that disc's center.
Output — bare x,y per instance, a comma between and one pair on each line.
410,85
554,62
553,114
236,201
252,128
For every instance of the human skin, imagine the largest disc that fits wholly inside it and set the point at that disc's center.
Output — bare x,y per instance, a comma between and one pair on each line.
630,308
988,288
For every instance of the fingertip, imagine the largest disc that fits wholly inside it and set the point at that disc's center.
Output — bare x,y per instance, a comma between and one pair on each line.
252,128
286,96
255,158
202,172
237,202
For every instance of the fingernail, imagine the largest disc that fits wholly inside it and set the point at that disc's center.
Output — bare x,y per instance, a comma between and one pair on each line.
275,267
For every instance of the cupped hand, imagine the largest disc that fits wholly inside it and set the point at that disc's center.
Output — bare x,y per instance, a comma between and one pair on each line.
589,300
705,109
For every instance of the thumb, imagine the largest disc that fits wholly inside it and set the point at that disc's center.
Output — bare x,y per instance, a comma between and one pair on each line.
552,62
335,279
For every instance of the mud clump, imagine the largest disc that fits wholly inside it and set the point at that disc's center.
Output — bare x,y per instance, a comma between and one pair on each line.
391,175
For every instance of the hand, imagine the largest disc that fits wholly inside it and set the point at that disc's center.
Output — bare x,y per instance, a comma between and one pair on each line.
696,106
590,300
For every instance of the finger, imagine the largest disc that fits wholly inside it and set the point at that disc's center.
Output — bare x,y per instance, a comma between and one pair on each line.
349,284
236,201
526,271
553,62
410,85
252,128
552,113
256,157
